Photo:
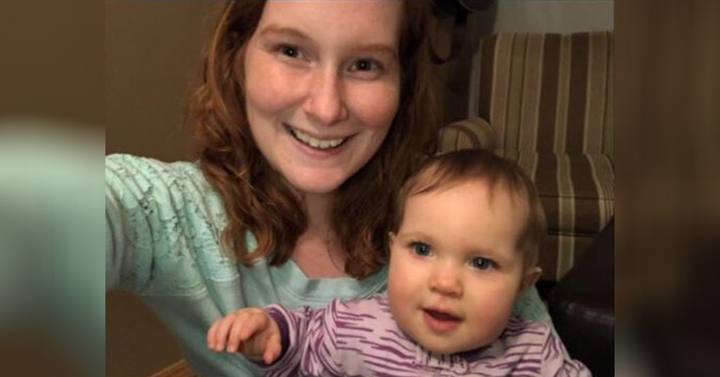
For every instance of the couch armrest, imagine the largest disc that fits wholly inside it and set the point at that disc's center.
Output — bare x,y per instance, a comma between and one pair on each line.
582,305
470,133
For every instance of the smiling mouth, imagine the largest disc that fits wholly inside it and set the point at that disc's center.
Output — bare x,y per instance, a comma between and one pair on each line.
322,144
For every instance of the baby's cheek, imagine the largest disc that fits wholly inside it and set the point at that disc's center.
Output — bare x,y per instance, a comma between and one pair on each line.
394,279
405,280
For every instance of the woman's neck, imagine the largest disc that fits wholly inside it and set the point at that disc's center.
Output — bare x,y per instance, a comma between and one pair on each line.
317,251
318,209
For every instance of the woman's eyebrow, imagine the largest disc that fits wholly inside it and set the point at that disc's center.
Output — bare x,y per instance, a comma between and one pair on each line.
274,29
282,30
378,48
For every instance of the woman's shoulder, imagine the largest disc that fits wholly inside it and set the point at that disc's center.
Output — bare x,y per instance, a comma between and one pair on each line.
149,177
127,165
179,187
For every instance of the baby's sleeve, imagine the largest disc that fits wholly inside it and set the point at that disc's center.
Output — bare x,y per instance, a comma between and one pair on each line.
306,336
555,361
293,329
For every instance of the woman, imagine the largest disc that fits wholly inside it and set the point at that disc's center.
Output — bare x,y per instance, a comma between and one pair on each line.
310,117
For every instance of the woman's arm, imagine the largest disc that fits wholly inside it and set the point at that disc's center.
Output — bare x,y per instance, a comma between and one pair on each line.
158,215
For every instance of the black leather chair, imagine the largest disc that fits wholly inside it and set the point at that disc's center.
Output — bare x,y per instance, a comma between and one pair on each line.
582,305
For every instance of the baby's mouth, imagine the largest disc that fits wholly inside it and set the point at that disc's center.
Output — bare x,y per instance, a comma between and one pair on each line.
442,316
321,144
441,321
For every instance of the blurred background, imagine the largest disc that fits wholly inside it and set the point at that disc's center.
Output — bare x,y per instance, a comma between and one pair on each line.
51,144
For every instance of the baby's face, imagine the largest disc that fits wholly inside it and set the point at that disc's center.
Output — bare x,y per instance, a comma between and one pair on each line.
454,268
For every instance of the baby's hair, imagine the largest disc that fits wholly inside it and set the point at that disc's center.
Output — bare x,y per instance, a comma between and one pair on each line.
444,171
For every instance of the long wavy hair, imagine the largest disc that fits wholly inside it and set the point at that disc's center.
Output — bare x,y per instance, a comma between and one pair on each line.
256,197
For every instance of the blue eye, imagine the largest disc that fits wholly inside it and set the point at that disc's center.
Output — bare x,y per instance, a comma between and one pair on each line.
481,263
420,248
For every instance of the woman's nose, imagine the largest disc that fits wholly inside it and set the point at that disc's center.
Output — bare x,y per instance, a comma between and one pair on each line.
325,102
446,281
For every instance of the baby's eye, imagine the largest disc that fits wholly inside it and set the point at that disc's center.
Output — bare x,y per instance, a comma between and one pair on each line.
421,248
481,263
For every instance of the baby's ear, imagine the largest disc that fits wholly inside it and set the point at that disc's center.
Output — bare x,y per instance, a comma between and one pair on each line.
531,276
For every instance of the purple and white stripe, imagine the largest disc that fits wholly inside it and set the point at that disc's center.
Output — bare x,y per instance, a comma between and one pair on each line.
360,338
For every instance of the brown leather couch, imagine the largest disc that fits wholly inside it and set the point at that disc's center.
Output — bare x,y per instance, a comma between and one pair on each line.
582,305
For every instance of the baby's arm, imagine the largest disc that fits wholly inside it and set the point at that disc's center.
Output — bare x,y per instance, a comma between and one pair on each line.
250,331
287,341
557,363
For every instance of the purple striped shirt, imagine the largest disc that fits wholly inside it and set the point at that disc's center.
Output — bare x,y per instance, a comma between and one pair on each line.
360,338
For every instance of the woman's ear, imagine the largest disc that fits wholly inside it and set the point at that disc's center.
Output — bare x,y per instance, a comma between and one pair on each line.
531,276
391,237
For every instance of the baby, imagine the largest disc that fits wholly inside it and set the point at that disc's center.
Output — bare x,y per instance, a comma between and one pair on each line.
464,244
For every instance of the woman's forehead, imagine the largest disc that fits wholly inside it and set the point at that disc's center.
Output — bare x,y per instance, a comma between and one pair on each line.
376,22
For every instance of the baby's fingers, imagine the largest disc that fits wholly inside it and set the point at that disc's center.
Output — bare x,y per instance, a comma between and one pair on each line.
237,333
218,333
273,348
210,338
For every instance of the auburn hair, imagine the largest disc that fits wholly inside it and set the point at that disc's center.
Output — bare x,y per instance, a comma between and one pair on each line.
447,170
257,199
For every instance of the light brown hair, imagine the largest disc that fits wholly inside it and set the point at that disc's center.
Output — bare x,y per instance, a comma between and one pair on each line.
453,168
257,199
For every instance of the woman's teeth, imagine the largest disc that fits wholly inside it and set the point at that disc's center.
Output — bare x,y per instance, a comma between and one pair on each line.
316,143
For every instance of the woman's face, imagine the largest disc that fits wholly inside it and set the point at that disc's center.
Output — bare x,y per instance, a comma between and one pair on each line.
322,85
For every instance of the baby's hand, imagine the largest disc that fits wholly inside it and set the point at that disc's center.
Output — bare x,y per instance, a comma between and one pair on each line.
250,331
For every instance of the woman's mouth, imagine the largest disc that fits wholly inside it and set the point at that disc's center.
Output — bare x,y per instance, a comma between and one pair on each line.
321,144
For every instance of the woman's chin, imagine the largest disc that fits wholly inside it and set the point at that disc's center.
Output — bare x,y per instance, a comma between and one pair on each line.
317,184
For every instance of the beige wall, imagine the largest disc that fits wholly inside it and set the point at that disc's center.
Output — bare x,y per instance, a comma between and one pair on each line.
153,62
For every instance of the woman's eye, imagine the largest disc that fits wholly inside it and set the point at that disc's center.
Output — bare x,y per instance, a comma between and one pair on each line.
420,248
481,263
365,65
289,51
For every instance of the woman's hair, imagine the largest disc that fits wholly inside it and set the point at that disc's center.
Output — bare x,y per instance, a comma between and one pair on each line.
447,170
257,198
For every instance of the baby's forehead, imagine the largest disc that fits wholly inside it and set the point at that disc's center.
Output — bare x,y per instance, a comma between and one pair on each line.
498,196
502,198
494,187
